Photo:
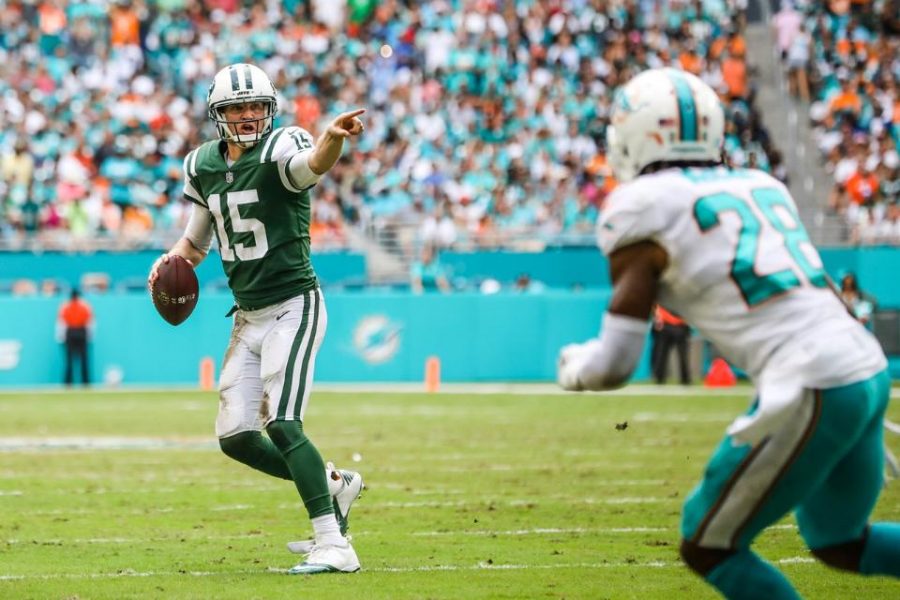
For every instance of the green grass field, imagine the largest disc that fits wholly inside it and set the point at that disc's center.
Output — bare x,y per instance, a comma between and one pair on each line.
126,495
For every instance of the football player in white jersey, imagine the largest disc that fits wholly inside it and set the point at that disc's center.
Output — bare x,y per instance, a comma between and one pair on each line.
725,249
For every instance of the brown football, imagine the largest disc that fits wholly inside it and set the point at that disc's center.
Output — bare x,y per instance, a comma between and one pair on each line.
176,291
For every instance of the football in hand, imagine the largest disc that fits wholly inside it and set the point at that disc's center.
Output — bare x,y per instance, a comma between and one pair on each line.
176,290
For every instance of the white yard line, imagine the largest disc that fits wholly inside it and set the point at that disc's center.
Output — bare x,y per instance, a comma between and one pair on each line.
543,531
125,540
638,389
536,531
247,536
530,389
513,502
658,417
16,444
658,564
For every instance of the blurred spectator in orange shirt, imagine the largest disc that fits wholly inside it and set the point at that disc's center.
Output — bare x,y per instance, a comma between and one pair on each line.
846,100
74,327
308,111
862,186
689,59
124,25
736,45
734,72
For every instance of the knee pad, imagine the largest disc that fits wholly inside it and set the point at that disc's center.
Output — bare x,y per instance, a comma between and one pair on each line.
845,557
287,435
703,560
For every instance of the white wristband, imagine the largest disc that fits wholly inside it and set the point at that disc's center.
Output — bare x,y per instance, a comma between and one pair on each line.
605,362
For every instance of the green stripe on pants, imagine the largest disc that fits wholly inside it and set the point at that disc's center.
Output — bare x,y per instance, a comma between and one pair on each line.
301,388
292,358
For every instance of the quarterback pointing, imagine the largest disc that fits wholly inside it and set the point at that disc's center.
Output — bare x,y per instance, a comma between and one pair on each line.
725,248
251,189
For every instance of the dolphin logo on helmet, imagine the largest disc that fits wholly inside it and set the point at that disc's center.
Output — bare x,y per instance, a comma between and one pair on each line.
664,115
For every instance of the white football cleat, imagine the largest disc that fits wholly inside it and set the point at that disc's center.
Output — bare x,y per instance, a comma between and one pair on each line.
345,488
306,546
328,559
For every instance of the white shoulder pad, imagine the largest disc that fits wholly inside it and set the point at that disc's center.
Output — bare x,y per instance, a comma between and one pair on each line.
633,213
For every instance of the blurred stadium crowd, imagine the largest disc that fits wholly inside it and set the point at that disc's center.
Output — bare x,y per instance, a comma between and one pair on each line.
486,117
844,57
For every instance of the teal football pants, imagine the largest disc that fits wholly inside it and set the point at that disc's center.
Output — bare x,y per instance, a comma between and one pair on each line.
828,467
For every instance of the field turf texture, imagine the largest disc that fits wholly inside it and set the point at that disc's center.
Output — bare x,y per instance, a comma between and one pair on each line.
125,494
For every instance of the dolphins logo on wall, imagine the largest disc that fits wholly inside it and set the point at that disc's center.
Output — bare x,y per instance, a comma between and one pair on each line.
9,354
376,338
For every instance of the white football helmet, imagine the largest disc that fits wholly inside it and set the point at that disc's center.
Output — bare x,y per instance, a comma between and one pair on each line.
663,115
236,84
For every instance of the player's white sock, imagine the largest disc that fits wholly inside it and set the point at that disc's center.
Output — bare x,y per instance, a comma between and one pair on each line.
328,532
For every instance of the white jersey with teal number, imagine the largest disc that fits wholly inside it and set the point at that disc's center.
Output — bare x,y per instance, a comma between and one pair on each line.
743,272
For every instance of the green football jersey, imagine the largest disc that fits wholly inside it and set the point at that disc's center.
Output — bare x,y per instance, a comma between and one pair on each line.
260,216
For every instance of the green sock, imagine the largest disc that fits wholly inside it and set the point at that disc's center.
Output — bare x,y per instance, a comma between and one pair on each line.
305,464
744,576
882,553
256,451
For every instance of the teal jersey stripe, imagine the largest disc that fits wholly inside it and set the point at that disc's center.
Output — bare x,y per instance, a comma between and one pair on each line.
687,108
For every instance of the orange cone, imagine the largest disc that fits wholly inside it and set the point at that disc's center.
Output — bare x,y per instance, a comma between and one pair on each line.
720,374
432,374
207,374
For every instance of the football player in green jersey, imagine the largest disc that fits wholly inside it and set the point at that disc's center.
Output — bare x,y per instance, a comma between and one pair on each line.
251,189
